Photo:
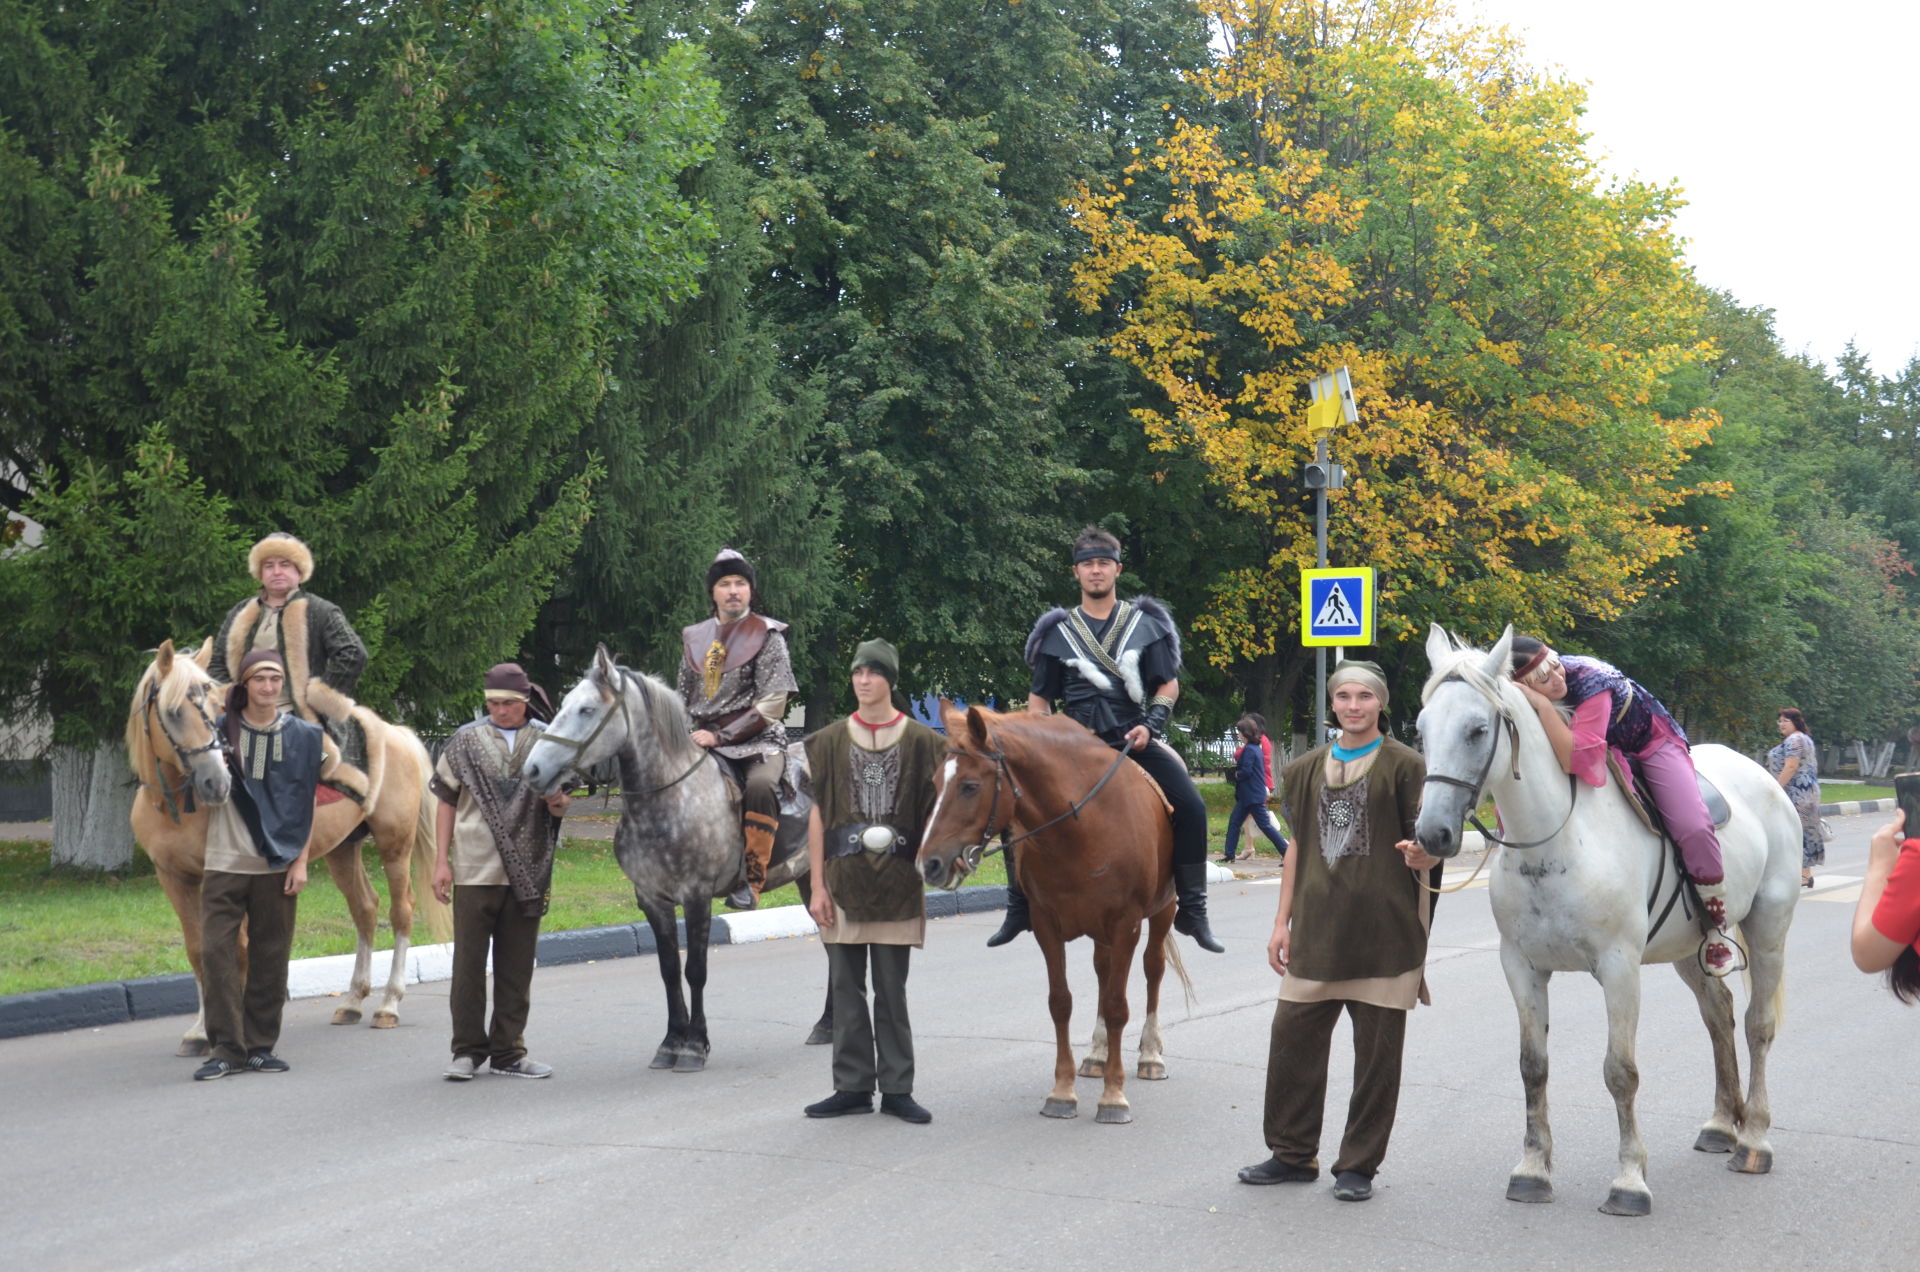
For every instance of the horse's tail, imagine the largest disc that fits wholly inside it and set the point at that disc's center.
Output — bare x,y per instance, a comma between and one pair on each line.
1172,949
426,905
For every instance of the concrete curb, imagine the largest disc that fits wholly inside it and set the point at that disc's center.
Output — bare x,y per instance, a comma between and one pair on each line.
116,1002
1853,807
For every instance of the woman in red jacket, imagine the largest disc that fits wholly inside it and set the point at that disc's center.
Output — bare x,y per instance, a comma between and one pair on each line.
1886,923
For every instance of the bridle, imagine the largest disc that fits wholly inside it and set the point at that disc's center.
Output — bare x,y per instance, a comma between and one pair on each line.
1475,787
184,789
578,747
973,853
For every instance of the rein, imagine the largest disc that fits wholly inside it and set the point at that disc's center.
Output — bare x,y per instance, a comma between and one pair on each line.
184,789
974,852
1475,787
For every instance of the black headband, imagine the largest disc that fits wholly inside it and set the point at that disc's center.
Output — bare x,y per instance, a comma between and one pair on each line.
1096,551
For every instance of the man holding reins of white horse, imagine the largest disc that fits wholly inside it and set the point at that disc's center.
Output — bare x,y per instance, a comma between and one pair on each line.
311,635
256,866
1114,666
735,678
1350,935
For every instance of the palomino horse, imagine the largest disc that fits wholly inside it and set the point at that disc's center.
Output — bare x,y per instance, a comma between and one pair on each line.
1584,886
179,760
679,834
1100,861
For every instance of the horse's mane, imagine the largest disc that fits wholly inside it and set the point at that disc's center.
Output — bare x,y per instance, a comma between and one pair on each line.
1470,664
180,680
1027,725
664,714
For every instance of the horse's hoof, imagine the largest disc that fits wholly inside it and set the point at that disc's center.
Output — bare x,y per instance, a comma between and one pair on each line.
1530,1190
1631,1204
194,1047
346,1015
1751,1161
1091,1068
1713,1140
822,1033
1152,1070
385,1020
690,1062
1114,1114
663,1058
1060,1108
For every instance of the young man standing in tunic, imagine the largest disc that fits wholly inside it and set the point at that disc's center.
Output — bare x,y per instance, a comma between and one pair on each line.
873,789
1350,935
257,848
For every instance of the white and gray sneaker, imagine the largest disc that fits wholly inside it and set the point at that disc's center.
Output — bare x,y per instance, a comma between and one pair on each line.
461,1070
523,1068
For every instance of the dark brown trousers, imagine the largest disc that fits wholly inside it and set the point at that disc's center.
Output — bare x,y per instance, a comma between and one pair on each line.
877,1048
1297,1057
485,915
243,1009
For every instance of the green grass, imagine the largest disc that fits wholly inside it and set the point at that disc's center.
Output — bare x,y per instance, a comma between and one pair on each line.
60,928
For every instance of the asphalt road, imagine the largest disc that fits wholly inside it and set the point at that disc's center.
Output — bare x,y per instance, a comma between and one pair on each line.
362,1156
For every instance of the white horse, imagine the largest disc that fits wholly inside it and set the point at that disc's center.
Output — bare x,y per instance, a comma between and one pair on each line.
1583,886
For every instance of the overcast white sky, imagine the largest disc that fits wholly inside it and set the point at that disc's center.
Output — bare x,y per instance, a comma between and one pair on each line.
1791,129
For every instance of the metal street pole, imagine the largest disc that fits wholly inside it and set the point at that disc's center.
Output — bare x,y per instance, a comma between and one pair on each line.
1320,652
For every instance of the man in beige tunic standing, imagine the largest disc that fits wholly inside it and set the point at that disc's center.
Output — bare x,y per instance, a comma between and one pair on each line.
735,677
493,860
873,789
1350,935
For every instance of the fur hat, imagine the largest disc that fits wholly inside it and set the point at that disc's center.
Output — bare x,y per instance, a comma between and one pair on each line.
728,562
281,544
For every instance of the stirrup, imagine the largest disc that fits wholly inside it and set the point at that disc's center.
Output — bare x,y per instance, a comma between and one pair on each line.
1736,960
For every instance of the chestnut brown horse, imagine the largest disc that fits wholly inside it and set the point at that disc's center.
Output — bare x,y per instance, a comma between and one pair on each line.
174,751
1098,859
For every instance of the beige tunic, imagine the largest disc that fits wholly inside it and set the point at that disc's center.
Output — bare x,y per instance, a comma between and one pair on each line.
230,847
473,855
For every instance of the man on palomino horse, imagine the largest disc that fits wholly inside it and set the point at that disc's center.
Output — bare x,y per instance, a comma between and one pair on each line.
1611,711
1350,934
1115,666
256,865
735,678
312,636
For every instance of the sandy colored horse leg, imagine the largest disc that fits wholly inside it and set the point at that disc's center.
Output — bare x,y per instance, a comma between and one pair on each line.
1114,969
350,876
1532,1178
395,828
1719,1132
1619,977
1062,1100
1153,1059
183,892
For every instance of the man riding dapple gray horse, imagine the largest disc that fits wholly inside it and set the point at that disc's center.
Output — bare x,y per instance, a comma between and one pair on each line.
735,678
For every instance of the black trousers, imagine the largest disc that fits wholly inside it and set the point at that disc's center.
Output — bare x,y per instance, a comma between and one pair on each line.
1189,810
485,916
877,1049
243,1012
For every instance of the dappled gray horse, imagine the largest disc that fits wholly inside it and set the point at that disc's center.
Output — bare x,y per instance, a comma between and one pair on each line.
679,833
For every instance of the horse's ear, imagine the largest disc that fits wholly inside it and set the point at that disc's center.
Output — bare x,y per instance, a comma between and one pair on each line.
203,657
1439,644
977,729
163,659
605,670
951,718
1499,658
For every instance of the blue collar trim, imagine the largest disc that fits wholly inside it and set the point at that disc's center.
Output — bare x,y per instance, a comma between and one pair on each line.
1345,756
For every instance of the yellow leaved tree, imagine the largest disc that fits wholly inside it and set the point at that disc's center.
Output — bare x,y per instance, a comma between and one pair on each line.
1385,186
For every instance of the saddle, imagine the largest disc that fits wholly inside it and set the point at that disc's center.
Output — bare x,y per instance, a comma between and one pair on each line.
1717,807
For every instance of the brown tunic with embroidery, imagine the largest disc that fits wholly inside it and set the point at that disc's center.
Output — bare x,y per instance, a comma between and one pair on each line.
735,680
879,899
1360,917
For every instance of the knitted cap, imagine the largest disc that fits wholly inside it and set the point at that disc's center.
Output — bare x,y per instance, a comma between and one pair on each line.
880,656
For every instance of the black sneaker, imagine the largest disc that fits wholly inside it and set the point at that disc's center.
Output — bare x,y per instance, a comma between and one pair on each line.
266,1062
1351,1185
904,1107
216,1068
1275,1171
842,1102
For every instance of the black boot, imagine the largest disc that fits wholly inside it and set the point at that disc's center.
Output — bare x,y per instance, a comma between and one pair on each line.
1190,883
1016,921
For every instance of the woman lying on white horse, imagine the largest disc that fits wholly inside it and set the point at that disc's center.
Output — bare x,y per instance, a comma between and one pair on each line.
1612,711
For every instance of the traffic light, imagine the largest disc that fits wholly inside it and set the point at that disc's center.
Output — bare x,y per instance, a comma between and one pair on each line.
1323,476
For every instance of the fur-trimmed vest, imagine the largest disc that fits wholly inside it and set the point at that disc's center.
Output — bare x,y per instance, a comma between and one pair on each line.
315,640
1103,688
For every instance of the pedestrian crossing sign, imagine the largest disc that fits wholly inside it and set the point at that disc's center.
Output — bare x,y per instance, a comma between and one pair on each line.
1336,606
